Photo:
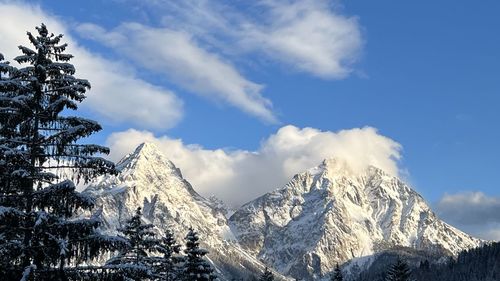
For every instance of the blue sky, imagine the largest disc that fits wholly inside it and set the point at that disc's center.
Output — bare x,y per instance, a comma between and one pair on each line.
423,73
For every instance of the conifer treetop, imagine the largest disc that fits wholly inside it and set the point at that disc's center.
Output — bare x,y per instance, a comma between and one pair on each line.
400,271
46,135
41,154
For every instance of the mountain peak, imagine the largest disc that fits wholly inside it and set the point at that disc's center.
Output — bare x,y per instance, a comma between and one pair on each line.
147,155
335,167
147,148
147,169
337,212
147,179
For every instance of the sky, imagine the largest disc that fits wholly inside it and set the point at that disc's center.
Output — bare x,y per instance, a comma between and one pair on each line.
248,93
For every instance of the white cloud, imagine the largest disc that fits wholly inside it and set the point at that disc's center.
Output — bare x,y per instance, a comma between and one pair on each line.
200,40
308,35
177,55
238,176
311,36
117,94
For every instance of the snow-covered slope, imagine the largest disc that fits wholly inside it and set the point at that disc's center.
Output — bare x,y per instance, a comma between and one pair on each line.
331,214
325,215
147,179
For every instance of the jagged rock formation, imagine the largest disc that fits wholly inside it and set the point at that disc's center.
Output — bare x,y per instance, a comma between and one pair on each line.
325,215
147,179
331,214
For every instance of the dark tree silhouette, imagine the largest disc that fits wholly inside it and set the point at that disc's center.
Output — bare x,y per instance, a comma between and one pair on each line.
399,271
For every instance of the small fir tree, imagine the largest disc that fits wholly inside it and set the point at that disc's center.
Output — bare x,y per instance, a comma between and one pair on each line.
168,263
267,275
195,267
135,261
337,274
40,153
399,271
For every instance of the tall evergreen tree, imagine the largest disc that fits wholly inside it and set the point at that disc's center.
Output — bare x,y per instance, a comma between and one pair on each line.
337,274
195,267
40,153
399,271
267,275
135,261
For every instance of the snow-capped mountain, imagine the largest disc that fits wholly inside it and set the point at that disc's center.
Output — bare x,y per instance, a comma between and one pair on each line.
149,180
331,214
325,215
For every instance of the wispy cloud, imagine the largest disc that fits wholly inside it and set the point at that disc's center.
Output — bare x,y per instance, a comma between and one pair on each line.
238,176
311,36
177,55
202,45
117,93
308,35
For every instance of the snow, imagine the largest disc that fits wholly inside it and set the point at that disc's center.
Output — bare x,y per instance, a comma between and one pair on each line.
63,246
41,218
330,214
27,272
327,214
149,180
5,211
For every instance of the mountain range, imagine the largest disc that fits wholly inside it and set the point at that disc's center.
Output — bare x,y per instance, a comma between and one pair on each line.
326,215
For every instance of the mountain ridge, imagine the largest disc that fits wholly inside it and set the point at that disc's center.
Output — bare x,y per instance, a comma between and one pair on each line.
147,179
327,214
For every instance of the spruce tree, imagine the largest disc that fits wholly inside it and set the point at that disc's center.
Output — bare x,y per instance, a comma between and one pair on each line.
40,154
135,261
399,271
337,274
195,267
267,275
168,263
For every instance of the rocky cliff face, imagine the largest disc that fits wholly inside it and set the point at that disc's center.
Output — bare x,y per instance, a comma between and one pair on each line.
147,179
330,214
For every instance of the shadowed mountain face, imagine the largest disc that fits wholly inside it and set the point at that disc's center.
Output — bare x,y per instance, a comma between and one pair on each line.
325,215
329,215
